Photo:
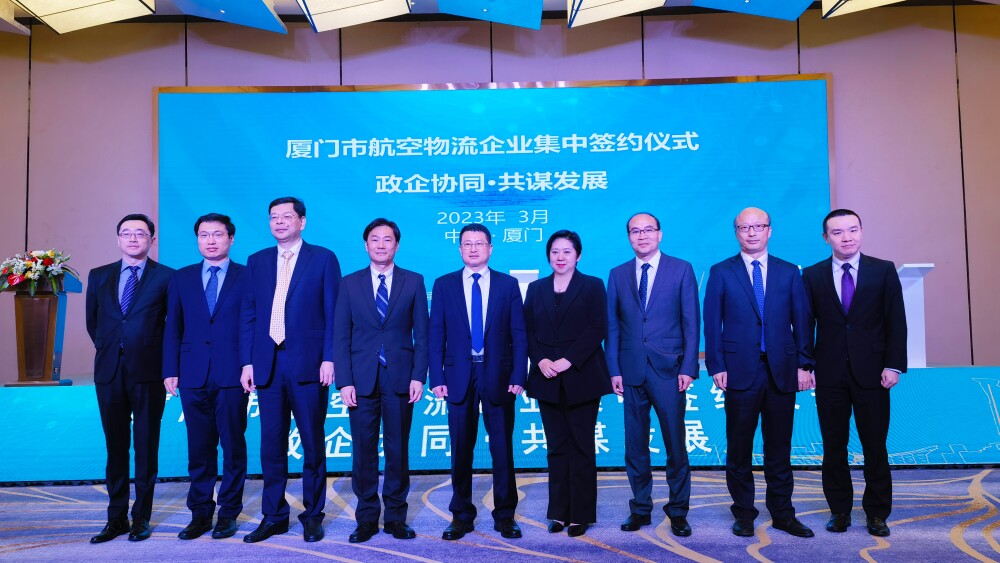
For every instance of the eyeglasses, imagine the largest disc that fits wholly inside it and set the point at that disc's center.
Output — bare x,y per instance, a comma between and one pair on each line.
469,245
646,231
138,235
216,235
756,228
286,217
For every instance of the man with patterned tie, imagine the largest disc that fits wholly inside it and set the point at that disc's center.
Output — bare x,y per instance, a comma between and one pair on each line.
380,349
478,355
126,307
860,322
758,348
652,353
286,349
201,361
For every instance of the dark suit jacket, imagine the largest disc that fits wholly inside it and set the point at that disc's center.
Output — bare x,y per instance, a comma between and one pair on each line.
575,332
733,324
358,332
872,334
449,341
666,333
309,312
139,333
198,347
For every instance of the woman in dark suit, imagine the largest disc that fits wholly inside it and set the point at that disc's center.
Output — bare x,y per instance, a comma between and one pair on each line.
567,319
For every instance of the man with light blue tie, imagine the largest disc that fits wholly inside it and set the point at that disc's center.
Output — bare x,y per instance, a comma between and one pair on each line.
758,348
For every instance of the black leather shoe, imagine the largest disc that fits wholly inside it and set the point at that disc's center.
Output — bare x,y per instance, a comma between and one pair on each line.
457,530
197,527
792,526
112,530
140,530
363,532
877,527
743,527
265,530
635,521
555,527
225,528
680,527
399,530
839,523
312,530
575,530
508,528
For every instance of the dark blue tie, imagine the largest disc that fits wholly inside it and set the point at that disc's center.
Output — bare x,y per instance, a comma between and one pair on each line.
382,305
758,291
477,314
130,285
212,288
644,285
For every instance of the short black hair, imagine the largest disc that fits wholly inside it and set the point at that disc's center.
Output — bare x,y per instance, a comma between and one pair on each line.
839,213
137,217
297,204
382,222
475,228
568,235
634,215
216,218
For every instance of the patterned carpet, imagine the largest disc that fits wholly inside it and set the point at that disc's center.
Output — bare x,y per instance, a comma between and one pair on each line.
940,515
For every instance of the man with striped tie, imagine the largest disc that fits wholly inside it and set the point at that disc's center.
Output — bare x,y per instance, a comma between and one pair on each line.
126,308
380,350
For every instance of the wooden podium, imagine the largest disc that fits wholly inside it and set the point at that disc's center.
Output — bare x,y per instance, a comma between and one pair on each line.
40,326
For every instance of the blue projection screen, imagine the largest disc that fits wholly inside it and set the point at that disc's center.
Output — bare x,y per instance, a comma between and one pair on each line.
525,161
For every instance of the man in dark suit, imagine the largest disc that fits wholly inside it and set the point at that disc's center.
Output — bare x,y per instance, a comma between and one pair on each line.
126,306
652,353
860,323
758,350
380,346
286,348
478,354
201,357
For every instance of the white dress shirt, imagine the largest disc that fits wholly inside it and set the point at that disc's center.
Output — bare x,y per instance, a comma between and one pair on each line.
295,248
375,281
748,263
484,286
654,264
838,271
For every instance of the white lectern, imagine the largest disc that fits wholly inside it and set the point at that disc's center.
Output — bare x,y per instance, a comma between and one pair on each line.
912,278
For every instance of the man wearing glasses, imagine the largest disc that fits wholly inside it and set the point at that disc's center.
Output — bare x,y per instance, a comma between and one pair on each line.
201,359
126,307
478,354
652,353
758,349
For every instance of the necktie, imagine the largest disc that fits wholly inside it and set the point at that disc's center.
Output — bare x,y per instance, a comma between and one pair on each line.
382,305
130,285
477,314
758,291
277,331
644,285
212,288
846,288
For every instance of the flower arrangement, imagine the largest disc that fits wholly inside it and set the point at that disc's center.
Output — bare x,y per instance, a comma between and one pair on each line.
34,269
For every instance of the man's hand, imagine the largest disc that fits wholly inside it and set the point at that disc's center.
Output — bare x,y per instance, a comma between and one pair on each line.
806,380
515,389
545,366
246,379
889,378
683,382
349,395
617,386
326,374
416,390
721,379
561,365
441,391
170,384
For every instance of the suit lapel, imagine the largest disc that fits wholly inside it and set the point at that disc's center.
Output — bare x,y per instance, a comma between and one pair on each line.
739,270
232,277
547,296
862,284
305,253
459,292
147,272
831,289
113,287
572,290
491,299
633,283
398,283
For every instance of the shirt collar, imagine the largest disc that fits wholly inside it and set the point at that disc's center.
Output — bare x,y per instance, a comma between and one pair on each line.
748,260
223,267
854,261
654,261
375,273
141,265
296,248
467,273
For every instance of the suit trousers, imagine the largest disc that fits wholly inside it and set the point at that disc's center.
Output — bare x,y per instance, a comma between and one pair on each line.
282,397
395,412
834,403
662,395
215,415
569,437
776,410
126,404
463,428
